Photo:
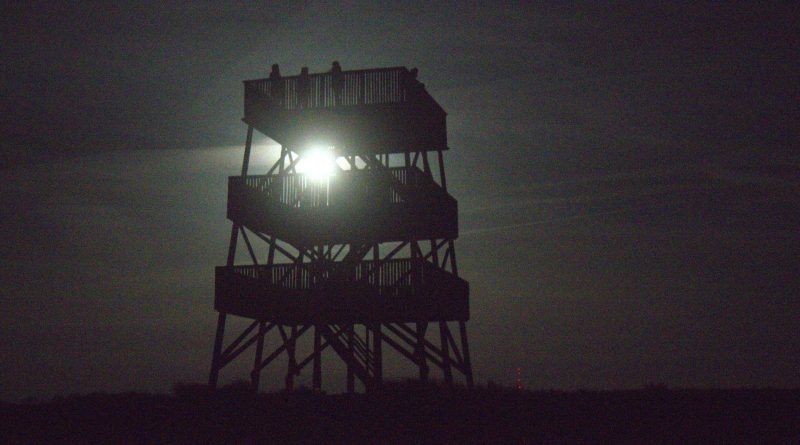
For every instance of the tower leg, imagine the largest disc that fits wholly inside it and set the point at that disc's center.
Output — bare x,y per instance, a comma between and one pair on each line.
448,372
255,375
465,352
214,375
351,378
215,365
317,377
420,351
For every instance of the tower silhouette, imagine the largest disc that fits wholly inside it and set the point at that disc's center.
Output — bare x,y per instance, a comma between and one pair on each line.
359,259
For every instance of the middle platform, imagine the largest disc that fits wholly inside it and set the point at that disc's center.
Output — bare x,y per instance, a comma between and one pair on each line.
352,206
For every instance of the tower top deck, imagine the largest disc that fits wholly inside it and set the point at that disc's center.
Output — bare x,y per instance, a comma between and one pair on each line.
382,110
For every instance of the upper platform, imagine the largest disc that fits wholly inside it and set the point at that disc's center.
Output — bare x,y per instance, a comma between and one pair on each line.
383,110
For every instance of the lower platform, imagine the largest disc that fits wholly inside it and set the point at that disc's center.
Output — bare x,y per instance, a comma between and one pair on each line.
394,291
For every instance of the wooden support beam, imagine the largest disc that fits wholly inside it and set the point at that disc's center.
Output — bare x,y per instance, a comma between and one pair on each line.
351,383
465,351
412,333
255,375
317,375
377,353
235,353
398,347
434,253
289,342
426,166
442,177
216,354
279,350
448,373
272,241
412,340
278,163
247,145
249,246
454,347
452,250
232,246
311,357
239,339
419,350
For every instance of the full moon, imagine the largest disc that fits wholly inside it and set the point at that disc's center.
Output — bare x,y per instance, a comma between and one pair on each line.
318,163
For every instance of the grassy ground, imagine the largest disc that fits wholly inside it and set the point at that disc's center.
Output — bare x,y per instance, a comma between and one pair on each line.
411,413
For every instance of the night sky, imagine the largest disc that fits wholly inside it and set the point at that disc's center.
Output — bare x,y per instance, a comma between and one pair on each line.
628,179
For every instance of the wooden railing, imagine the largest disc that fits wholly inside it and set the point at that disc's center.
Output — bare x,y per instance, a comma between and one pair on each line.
289,276
382,275
393,290
299,190
326,90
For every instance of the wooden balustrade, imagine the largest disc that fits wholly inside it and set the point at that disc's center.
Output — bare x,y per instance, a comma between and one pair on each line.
366,111
300,190
359,87
410,288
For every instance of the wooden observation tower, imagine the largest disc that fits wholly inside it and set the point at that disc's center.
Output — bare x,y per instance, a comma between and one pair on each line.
357,258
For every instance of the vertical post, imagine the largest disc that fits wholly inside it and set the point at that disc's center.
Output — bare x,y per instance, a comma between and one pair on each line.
317,376
420,351
351,380
465,353
255,375
448,372
214,375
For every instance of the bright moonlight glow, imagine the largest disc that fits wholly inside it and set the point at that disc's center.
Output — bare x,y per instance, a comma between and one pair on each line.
318,163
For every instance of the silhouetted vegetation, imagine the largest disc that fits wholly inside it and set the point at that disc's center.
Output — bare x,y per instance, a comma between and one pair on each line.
411,412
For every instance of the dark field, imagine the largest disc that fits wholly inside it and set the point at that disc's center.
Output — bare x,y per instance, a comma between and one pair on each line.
412,413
